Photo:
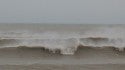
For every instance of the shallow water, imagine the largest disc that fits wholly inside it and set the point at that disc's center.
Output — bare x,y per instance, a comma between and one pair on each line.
62,46
63,37
64,67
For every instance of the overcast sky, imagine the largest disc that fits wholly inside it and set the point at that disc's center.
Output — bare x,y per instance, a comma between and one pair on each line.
62,11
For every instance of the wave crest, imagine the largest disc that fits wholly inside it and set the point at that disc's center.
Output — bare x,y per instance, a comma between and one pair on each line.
66,46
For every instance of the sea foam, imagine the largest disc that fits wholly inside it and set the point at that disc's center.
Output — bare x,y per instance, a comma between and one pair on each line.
66,42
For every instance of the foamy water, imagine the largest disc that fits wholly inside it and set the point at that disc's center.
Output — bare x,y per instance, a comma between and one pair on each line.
65,38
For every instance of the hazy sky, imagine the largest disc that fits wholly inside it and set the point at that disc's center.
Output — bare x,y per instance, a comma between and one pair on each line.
62,11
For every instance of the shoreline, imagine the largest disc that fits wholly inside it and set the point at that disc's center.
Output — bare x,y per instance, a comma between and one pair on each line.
64,67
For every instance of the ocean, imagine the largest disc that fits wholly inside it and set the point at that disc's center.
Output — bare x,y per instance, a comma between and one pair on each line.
62,46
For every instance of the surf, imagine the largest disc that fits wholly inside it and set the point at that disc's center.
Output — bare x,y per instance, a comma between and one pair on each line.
65,38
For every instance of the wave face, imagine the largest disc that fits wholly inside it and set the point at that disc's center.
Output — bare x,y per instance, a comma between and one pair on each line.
64,38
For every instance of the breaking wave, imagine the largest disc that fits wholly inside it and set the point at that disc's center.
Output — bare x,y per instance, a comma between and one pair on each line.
67,42
65,46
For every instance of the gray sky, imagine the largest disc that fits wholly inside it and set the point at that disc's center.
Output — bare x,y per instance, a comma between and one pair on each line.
62,11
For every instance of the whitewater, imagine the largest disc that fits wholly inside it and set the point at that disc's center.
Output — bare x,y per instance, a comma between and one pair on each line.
65,38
